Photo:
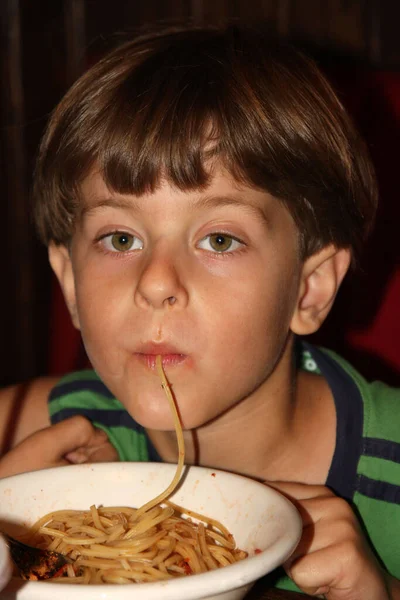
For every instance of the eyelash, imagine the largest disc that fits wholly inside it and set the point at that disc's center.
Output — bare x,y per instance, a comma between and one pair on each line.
100,241
234,240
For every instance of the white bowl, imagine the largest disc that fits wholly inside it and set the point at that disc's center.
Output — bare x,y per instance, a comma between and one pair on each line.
257,516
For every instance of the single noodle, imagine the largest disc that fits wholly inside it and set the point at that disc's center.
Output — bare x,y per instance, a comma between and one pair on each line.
125,545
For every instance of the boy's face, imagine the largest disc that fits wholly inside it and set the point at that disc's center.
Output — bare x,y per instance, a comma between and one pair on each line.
208,279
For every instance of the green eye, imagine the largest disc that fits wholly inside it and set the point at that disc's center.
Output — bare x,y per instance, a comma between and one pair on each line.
122,241
220,242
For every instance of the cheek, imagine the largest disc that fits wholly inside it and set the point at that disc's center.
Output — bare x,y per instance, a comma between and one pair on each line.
244,341
249,334
256,309
98,324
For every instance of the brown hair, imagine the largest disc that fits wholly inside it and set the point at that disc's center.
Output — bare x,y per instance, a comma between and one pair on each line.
162,105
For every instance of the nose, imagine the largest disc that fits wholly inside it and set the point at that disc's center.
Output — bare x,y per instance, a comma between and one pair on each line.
160,284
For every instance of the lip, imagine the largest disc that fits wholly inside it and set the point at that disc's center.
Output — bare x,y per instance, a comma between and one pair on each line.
170,355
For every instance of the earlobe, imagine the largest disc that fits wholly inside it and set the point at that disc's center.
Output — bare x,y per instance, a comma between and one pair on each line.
60,261
322,275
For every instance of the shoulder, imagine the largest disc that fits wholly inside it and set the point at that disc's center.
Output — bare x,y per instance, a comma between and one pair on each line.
24,410
83,392
381,402
78,383
377,395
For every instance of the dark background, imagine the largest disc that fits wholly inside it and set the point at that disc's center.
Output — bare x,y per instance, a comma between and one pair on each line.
46,44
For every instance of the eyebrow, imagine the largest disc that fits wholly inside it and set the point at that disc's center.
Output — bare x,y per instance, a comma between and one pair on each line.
212,201
111,202
216,201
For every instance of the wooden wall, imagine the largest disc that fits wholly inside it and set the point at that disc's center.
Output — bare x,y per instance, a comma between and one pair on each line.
45,44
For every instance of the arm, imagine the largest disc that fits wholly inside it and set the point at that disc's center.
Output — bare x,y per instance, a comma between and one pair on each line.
333,557
74,440
394,586
23,410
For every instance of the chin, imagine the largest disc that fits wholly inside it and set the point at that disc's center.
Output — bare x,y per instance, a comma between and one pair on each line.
160,420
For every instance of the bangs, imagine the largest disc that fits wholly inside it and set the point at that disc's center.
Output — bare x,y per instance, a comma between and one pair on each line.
163,127
168,118
168,106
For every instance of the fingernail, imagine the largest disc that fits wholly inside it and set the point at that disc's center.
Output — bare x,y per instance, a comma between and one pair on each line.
76,458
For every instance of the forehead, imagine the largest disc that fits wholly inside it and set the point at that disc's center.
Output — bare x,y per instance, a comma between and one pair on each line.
222,190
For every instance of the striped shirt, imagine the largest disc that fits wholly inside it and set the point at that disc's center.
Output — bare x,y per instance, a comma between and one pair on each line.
365,468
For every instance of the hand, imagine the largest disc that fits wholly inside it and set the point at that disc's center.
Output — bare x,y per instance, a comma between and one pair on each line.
333,558
74,440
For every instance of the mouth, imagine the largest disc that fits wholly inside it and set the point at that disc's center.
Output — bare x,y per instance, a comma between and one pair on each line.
167,359
170,356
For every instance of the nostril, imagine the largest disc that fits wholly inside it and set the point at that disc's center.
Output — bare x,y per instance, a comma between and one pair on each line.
171,300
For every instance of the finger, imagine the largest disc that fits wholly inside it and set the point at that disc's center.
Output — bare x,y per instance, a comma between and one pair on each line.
327,521
104,453
96,439
300,491
47,447
328,509
97,447
69,434
322,535
101,453
339,573
59,438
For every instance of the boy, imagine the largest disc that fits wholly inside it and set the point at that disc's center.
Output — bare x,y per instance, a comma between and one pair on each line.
202,194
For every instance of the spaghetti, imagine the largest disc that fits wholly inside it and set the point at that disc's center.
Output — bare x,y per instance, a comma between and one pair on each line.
155,542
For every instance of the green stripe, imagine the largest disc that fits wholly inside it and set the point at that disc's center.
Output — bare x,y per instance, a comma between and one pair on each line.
87,374
131,445
380,420
285,583
379,469
380,519
84,399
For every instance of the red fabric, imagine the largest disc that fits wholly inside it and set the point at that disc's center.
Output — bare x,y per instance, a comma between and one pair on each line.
365,321
66,349
364,325
382,337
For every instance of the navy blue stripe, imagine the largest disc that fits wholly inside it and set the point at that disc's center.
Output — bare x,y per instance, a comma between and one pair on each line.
79,385
342,476
153,454
379,490
382,449
109,418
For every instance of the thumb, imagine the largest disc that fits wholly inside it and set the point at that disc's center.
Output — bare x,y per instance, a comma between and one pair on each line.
47,447
65,436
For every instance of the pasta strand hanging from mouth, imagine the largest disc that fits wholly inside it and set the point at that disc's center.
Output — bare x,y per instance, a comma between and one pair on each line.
179,436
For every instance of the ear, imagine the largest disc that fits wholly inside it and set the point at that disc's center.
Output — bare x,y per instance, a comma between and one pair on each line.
60,261
322,274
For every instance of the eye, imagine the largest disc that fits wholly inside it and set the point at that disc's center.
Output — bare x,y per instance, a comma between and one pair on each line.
120,241
220,242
